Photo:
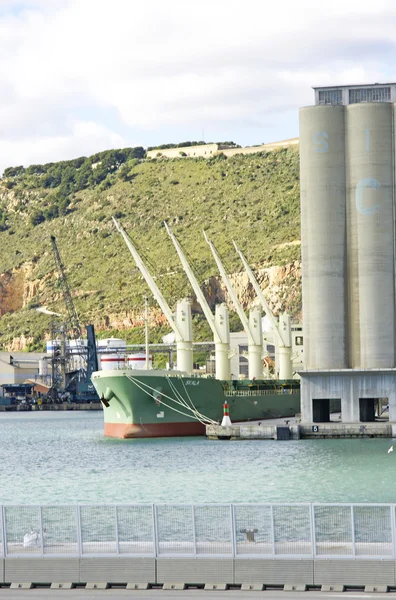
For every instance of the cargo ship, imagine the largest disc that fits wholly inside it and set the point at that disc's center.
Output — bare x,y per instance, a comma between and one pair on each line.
158,403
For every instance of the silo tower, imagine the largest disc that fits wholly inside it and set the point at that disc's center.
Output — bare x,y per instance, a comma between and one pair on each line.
347,147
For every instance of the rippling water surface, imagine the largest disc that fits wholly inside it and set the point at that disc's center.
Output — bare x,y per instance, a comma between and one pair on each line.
64,458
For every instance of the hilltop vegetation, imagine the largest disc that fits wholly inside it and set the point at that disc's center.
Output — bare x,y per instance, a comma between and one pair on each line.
253,199
63,179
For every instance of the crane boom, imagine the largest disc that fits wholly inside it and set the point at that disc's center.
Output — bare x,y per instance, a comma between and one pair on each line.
259,293
149,280
71,311
194,284
282,330
235,301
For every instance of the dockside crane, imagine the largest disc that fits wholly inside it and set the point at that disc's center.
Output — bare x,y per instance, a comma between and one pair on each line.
182,324
252,326
219,323
73,321
87,354
282,329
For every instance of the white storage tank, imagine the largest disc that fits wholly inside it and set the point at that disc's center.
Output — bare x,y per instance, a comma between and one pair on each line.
75,346
43,367
51,344
112,361
138,360
111,345
72,346
111,353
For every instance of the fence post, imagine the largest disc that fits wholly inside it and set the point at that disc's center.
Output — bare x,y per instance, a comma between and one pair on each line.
3,531
79,532
41,530
194,534
155,531
233,537
313,532
272,530
116,530
353,530
393,526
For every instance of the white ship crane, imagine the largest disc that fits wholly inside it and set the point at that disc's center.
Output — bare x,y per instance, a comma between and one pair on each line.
253,326
182,325
218,323
282,329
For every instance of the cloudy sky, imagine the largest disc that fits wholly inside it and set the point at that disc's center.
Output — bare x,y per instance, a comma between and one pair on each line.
80,76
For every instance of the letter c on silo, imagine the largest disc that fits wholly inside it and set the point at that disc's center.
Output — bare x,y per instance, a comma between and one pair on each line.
362,184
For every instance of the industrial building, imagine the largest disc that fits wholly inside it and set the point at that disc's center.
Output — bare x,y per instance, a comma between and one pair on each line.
347,149
355,94
18,367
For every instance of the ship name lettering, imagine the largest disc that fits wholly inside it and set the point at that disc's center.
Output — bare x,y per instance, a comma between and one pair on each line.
192,382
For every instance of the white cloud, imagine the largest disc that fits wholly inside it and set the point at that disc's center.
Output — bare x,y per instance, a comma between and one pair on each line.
135,68
90,136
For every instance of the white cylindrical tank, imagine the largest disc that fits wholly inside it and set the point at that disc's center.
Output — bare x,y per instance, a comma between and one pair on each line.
370,234
111,353
138,360
111,345
75,346
43,367
323,223
112,361
52,344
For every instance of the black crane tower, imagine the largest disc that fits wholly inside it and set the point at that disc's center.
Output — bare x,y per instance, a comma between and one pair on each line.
71,311
81,380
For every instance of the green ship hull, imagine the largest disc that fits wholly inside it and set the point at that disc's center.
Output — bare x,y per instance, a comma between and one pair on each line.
163,403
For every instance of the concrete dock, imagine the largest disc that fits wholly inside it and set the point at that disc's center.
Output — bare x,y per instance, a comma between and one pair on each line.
292,429
51,406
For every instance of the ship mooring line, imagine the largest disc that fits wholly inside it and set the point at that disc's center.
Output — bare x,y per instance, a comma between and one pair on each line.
140,386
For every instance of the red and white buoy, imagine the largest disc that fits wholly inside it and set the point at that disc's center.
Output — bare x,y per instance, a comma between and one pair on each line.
226,422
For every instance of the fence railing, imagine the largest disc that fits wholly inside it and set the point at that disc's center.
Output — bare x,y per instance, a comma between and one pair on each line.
200,530
275,391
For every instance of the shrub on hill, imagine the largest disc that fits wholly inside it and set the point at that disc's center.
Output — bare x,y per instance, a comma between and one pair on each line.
67,177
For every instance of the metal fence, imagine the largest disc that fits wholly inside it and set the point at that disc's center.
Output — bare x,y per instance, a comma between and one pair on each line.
200,530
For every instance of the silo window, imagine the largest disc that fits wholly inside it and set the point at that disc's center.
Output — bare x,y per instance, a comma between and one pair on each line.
330,97
380,94
299,340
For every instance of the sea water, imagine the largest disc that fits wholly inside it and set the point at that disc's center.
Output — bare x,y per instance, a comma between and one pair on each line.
63,457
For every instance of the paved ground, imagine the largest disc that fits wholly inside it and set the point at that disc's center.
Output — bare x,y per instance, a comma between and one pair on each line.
119,594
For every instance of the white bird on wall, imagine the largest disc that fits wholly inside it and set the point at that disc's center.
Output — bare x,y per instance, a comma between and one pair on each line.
390,449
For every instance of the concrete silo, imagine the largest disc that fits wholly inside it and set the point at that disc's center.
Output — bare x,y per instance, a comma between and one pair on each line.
370,235
323,214
347,147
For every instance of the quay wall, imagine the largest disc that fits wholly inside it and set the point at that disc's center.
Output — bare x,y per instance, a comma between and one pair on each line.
52,406
195,571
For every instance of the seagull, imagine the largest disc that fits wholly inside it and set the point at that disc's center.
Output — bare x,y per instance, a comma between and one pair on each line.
390,449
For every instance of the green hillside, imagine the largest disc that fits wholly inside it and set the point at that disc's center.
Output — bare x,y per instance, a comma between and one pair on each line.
253,199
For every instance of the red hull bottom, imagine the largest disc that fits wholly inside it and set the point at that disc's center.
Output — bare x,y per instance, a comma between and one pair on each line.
148,430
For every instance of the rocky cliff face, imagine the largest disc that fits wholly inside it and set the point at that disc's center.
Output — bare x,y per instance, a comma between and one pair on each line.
18,288
281,286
